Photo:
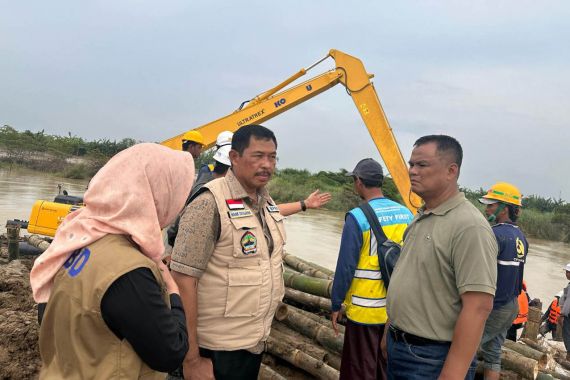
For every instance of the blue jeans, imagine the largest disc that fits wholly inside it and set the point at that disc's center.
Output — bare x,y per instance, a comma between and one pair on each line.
415,362
495,332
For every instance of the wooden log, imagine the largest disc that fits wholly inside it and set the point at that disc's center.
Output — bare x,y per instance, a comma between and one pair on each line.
316,286
311,348
558,334
281,313
308,299
509,375
560,359
302,360
13,235
312,329
333,359
307,268
554,375
266,373
322,320
532,325
293,261
544,376
38,242
537,346
529,352
513,361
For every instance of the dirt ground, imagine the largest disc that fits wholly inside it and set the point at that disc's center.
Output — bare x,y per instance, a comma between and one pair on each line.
19,354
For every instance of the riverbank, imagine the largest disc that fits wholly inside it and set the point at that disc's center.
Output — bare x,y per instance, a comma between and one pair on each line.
541,218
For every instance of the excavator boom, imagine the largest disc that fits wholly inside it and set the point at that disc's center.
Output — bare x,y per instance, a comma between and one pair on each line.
351,73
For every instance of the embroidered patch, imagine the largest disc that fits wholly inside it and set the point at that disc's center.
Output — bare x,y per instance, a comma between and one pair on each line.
248,243
239,213
272,208
235,204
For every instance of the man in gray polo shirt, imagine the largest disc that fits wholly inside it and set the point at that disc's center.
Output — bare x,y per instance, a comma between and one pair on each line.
442,289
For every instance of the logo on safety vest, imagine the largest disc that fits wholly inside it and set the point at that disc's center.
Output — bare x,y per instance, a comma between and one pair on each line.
520,248
248,243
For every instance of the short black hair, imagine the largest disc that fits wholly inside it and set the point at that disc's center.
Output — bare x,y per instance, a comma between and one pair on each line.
187,144
240,140
445,144
370,183
220,168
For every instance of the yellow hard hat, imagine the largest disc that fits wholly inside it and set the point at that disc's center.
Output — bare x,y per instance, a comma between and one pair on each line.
502,192
194,136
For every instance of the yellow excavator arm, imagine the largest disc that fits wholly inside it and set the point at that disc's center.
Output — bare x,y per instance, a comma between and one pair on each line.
351,73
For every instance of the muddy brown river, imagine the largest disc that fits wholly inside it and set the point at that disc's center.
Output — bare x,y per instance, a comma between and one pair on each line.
314,235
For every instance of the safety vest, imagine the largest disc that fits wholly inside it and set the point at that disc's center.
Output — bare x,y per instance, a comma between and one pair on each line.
243,282
75,342
554,312
366,298
522,316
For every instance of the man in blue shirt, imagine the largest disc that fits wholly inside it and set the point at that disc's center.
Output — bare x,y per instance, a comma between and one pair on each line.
358,281
503,202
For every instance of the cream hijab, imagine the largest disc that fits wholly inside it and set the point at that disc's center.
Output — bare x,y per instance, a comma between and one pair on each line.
137,193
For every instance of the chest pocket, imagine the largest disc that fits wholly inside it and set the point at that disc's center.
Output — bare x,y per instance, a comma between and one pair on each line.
247,235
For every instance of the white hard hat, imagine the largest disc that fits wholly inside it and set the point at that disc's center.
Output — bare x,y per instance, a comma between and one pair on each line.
559,294
222,155
224,138
568,267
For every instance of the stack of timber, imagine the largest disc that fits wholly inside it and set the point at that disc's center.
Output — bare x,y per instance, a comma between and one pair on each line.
303,345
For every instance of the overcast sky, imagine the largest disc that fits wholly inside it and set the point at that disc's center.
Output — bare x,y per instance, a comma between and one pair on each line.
495,75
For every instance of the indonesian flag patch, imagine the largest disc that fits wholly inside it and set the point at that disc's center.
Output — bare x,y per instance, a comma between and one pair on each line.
235,204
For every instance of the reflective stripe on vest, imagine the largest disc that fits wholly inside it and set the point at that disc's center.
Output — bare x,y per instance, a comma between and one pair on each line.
509,263
368,274
554,312
368,302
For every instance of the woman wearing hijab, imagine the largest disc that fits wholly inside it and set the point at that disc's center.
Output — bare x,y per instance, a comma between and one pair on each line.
108,306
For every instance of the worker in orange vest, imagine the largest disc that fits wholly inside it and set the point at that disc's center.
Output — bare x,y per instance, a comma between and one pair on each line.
522,315
550,317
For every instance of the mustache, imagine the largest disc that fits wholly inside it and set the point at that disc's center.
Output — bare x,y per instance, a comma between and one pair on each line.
263,172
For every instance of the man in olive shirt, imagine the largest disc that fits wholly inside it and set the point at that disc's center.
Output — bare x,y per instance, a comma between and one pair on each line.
442,289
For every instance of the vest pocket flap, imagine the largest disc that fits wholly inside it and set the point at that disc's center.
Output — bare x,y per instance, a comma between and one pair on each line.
244,223
276,216
244,276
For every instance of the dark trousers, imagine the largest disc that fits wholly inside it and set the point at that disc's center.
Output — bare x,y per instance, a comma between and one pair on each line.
512,331
566,332
233,365
361,355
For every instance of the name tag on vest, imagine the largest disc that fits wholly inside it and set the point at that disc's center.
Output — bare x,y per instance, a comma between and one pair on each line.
239,213
272,208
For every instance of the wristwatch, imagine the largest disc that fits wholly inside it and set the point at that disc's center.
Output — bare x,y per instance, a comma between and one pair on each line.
303,205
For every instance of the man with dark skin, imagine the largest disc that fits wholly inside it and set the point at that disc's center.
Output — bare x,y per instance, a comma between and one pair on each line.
437,303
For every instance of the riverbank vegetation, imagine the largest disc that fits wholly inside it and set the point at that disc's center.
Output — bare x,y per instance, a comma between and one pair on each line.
69,156
73,157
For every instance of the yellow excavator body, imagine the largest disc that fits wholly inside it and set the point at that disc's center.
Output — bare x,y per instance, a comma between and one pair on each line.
46,217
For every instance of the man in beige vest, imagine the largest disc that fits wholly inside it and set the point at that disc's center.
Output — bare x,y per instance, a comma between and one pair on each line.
227,261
